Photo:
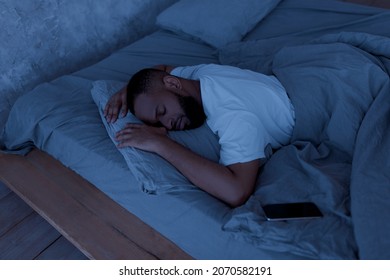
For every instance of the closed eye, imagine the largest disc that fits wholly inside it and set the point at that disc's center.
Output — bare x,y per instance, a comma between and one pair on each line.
161,111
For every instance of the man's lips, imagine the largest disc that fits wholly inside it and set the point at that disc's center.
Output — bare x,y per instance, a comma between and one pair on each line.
180,123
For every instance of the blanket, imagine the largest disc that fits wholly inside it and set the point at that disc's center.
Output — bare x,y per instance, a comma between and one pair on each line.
338,156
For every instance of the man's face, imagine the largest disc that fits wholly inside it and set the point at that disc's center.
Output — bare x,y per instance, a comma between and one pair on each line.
169,109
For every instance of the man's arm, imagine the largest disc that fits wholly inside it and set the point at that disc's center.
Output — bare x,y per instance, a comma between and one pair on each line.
164,67
232,184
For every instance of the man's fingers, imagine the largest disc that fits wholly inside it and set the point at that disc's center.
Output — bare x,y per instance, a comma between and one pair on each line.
127,132
124,110
124,104
114,114
139,136
134,125
111,112
125,136
115,106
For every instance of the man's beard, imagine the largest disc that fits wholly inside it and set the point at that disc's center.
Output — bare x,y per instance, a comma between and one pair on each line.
193,111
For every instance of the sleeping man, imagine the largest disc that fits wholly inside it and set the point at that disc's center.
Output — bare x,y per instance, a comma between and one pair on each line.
250,112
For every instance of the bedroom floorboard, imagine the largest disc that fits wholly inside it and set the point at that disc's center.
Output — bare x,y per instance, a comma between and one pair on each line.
24,235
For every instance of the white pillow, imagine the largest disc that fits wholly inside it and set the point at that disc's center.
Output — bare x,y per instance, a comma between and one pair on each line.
155,173
216,22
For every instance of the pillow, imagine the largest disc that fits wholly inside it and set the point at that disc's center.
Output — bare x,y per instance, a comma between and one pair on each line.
217,22
156,174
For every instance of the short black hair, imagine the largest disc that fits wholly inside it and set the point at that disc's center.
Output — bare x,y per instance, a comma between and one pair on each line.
141,82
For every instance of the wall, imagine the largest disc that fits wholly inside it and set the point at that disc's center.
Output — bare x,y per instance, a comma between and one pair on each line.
43,39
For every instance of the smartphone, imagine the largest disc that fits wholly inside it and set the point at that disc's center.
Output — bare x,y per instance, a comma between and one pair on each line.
291,211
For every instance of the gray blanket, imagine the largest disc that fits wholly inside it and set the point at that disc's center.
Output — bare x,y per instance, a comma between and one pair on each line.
338,157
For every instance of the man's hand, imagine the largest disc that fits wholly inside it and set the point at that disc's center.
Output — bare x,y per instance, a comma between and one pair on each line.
232,184
141,136
163,67
116,104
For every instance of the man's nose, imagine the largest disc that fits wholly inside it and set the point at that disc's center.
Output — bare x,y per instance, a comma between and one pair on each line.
167,123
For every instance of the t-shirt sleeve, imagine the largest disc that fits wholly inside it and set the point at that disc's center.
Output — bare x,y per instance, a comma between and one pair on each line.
242,139
187,72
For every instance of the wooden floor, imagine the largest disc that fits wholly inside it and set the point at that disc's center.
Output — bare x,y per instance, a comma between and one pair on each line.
24,235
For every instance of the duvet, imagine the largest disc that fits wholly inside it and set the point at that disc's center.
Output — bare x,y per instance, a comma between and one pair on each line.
338,156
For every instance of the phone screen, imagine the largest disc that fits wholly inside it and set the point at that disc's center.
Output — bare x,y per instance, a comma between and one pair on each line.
288,211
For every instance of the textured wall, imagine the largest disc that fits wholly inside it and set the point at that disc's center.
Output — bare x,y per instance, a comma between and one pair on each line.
43,39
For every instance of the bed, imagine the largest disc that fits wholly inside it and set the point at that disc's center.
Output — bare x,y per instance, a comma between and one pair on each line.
333,59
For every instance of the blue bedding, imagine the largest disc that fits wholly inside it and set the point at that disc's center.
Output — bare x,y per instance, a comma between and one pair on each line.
62,119
339,85
338,156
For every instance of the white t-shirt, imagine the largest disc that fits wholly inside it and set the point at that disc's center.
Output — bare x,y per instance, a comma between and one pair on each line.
247,110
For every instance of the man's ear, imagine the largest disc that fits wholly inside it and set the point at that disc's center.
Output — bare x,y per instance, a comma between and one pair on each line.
172,82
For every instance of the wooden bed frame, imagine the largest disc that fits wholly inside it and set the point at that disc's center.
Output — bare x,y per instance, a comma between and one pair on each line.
88,218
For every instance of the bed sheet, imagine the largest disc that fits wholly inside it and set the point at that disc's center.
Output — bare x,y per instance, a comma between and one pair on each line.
199,224
298,17
64,121
296,22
